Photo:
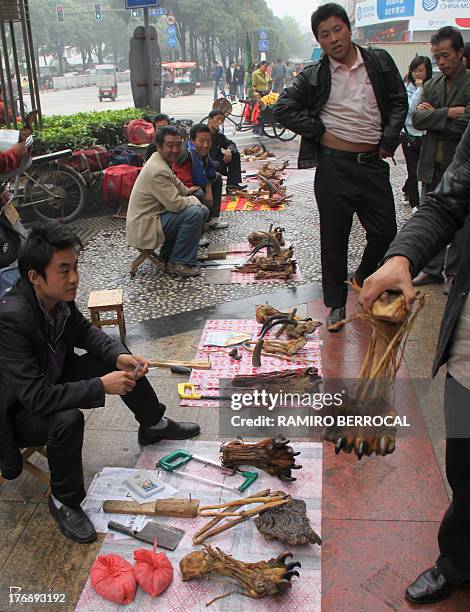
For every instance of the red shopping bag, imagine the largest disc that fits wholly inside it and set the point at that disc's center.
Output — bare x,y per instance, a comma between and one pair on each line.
118,181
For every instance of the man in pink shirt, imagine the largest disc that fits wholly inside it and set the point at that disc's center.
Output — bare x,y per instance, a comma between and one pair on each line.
349,108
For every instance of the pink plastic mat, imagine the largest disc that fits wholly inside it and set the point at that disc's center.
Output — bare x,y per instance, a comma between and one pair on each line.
242,541
223,366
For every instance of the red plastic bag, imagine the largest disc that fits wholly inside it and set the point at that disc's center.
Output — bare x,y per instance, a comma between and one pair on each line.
113,578
118,181
138,131
153,571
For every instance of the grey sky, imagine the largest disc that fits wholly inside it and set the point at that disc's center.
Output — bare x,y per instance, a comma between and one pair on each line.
300,9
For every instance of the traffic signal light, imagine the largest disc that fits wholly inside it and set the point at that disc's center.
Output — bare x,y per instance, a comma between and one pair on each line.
60,13
98,13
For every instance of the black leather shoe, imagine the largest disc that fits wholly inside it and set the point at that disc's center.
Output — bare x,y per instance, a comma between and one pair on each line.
73,523
429,587
231,188
173,431
332,320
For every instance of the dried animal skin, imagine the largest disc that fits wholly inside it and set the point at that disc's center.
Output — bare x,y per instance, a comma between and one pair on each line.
272,455
281,274
288,524
256,580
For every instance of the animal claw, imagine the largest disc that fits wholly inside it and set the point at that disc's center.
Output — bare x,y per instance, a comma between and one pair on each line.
285,477
339,445
292,565
288,575
283,556
362,449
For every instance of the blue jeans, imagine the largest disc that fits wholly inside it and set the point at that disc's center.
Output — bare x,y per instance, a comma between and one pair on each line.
219,85
182,231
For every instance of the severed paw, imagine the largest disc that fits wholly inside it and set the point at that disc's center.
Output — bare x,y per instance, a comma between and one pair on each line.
358,436
273,455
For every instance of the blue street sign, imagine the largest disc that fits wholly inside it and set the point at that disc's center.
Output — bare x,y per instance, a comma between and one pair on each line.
171,42
263,35
171,30
137,4
264,45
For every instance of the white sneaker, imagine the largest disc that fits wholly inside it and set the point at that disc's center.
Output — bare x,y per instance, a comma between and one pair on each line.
215,224
203,242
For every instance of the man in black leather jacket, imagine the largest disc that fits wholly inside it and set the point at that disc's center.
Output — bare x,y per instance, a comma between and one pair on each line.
349,109
444,211
44,383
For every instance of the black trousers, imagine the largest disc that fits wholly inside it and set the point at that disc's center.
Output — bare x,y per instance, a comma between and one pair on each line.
454,532
411,151
233,170
217,186
342,188
447,260
62,432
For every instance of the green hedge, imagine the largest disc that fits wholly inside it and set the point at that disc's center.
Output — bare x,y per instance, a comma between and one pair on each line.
83,130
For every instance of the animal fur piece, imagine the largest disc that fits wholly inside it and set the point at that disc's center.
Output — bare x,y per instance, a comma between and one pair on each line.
272,577
272,455
288,524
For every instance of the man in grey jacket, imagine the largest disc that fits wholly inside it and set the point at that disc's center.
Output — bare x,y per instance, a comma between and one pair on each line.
443,114
444,211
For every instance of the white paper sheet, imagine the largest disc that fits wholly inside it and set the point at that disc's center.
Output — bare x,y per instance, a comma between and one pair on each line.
109,484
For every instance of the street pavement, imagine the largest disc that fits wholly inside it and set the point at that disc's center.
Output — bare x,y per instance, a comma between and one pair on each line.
70,101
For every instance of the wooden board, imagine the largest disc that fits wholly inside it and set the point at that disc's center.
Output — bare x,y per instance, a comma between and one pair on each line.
108,297
190,363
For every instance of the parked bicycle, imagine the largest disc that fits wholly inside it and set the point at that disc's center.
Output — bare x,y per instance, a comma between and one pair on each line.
49,190
237,116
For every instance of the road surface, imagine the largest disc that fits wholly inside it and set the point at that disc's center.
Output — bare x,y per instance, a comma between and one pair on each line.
70,101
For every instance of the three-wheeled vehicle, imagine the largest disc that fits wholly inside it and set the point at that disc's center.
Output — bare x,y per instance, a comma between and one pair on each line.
106,81
183,75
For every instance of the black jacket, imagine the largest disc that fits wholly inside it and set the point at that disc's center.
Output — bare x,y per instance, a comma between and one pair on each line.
299,105
24,356
443,212
219,142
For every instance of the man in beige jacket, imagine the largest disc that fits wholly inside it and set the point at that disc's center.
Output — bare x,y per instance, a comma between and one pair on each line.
163,212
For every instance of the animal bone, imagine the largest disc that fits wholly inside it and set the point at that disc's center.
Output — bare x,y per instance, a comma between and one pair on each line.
288,524
272,455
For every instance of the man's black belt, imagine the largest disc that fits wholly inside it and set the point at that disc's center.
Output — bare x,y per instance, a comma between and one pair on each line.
359,158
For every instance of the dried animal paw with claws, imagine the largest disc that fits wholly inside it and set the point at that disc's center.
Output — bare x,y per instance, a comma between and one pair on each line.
272,455
288,524
364,439
272,577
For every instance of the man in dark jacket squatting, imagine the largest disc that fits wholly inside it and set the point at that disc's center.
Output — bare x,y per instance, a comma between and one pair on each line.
44,383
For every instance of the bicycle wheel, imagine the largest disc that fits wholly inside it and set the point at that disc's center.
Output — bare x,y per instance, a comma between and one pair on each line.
268,130
283,133
54,193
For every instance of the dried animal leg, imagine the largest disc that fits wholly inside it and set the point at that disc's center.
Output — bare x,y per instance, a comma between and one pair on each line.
257,580
272,455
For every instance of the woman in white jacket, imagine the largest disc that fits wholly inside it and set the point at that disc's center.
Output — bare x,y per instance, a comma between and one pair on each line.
419,72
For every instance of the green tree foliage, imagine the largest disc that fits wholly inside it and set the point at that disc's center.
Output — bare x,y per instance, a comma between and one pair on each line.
206,30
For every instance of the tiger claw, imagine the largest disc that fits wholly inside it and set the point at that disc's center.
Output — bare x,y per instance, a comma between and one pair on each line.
339,445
